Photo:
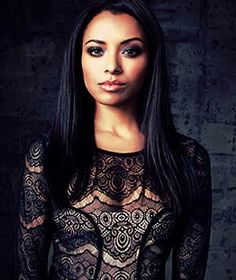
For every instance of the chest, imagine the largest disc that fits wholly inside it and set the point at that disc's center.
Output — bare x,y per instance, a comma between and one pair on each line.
119,224
126,241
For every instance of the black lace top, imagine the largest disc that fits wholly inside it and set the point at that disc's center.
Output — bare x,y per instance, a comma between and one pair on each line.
119,229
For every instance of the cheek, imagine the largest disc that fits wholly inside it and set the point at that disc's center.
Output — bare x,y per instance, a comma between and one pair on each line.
90,73
137,71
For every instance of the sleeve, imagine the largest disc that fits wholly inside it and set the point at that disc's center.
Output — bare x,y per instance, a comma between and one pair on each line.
190,252
34,212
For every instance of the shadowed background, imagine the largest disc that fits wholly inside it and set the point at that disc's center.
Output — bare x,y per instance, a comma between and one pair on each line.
201,50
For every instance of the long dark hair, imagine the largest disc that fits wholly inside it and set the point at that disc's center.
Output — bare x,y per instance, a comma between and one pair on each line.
72,139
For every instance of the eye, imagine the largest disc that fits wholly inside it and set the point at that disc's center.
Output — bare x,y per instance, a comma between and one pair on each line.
94,51
133,51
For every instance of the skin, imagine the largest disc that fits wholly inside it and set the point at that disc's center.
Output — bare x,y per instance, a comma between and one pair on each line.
115,122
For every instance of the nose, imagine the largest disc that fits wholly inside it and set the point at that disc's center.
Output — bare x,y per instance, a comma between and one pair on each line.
112,65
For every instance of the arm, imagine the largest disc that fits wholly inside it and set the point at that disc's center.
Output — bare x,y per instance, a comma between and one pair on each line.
34,211
190,252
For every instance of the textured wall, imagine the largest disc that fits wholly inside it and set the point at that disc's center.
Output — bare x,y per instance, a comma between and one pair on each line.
202,53
201,50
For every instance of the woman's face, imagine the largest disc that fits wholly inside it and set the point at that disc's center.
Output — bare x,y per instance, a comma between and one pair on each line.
114,49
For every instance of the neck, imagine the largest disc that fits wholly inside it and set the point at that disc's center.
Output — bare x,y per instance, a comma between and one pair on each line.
120,121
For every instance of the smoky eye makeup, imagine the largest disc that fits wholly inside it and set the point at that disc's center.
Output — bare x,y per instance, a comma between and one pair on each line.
132,51
129,51
94,51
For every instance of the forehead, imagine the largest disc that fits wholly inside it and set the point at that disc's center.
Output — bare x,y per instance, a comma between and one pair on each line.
112,26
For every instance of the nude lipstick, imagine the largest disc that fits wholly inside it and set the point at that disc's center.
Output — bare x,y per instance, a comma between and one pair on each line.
112,86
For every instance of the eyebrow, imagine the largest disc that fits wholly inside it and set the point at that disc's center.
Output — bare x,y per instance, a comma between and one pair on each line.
122,43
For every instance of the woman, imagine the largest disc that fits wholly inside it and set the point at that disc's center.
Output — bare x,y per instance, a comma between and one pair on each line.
114,187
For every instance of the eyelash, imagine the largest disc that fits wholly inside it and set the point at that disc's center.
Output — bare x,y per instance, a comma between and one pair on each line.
138,51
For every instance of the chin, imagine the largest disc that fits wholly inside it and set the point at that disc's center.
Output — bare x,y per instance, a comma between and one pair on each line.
117,101
110,102
108,98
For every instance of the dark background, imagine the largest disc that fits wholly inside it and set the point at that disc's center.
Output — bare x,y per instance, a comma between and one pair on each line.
201,50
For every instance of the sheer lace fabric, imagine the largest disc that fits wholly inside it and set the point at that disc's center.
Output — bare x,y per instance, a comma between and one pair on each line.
119,229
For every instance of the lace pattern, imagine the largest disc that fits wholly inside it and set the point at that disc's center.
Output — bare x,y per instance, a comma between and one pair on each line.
119,228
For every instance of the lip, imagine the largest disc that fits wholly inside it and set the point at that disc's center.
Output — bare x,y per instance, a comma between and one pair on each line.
109,83
112,87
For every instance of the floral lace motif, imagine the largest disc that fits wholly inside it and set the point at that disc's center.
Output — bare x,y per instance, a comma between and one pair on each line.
119,228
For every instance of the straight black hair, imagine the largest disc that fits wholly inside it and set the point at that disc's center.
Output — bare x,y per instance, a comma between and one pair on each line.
72,140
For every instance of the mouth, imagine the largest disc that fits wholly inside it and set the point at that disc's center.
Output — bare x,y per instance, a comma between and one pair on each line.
111,87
